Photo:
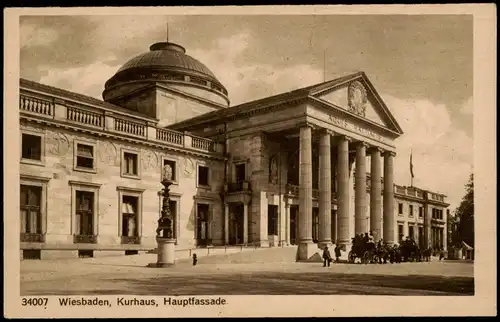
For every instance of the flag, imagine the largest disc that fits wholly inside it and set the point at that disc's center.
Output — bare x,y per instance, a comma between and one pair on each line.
411,165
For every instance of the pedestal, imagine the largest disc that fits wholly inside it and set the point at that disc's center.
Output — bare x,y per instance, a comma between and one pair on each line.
309,252
165,251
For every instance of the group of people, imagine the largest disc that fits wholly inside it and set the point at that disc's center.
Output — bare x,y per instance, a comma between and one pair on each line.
381,252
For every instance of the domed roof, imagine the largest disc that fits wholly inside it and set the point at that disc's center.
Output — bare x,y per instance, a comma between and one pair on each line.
167,55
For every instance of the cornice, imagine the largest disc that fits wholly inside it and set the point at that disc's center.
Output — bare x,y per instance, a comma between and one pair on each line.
121,137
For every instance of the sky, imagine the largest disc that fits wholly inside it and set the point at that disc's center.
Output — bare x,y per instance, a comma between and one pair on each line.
422,67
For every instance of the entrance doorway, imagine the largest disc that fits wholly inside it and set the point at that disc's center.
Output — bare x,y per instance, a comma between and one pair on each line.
294,217
236,224
202,225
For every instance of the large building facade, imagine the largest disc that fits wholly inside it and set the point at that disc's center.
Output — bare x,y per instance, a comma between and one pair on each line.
310,167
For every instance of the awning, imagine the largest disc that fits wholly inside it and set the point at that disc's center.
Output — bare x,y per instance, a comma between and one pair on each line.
467,247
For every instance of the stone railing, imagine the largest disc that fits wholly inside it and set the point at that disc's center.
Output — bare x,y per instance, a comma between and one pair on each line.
84,117
129,127
170,136
36,106
84,239
237,186
120,123
202,144
32,238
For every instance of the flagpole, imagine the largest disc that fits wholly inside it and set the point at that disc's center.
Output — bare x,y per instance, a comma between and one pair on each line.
411,168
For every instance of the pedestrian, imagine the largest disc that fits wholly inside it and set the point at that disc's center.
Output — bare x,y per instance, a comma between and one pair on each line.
195,259
337,253
441,254
327,258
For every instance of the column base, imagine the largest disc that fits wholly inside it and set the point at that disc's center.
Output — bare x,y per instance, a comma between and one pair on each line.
308,252
166,253
325,243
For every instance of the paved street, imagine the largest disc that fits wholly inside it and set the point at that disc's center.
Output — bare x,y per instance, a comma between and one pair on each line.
241,274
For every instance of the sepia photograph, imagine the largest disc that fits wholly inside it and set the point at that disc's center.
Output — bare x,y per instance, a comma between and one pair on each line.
176,160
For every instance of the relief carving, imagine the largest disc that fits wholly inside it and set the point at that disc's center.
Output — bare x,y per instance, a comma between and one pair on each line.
357,98
188,167
108,153
149,160
58,143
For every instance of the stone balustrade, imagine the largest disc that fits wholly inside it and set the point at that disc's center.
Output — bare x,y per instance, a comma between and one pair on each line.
36,106
113,121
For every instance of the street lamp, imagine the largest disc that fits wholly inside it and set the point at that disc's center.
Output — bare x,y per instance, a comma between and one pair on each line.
165,231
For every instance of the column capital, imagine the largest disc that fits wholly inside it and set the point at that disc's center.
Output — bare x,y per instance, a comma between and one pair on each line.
344,137
375,148
306,124
389,153
326,131
362,143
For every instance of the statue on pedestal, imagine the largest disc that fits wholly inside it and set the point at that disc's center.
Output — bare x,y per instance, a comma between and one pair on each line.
165,223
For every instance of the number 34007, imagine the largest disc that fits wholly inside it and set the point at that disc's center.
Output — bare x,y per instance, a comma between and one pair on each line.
35,301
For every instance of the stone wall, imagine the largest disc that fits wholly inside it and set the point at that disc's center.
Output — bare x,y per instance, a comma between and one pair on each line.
58,168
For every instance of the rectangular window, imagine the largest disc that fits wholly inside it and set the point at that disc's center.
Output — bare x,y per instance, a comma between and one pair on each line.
410,211
84,213
272,220
85,156
129,216
203,224
130,163
420,212
411,232
203,176
31,147
31,217
400,232
172,164
240,172
400,208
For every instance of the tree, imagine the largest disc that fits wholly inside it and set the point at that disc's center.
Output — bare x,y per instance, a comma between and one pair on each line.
465,214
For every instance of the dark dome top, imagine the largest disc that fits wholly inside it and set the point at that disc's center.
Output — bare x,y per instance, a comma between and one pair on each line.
164,62
167,55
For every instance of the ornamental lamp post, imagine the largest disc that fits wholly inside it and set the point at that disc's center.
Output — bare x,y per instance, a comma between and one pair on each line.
165,232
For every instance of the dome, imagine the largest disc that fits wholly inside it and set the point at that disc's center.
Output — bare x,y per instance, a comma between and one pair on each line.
167,55
168,62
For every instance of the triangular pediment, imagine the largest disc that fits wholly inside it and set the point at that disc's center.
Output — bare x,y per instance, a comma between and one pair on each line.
356,95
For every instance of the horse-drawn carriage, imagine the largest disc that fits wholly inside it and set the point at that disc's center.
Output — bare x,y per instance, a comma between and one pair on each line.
365,250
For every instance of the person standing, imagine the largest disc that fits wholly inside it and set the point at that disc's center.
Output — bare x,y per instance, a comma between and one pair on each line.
327,258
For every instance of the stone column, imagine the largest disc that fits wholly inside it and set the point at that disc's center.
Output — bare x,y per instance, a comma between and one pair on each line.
376,194
360,193
389,197
325,191
245,223
226,224
305,194
287,224
343,191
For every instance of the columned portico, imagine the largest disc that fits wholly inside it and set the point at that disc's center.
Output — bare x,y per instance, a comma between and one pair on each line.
325,190
375,194
360,194
343,191
306,246
389,197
